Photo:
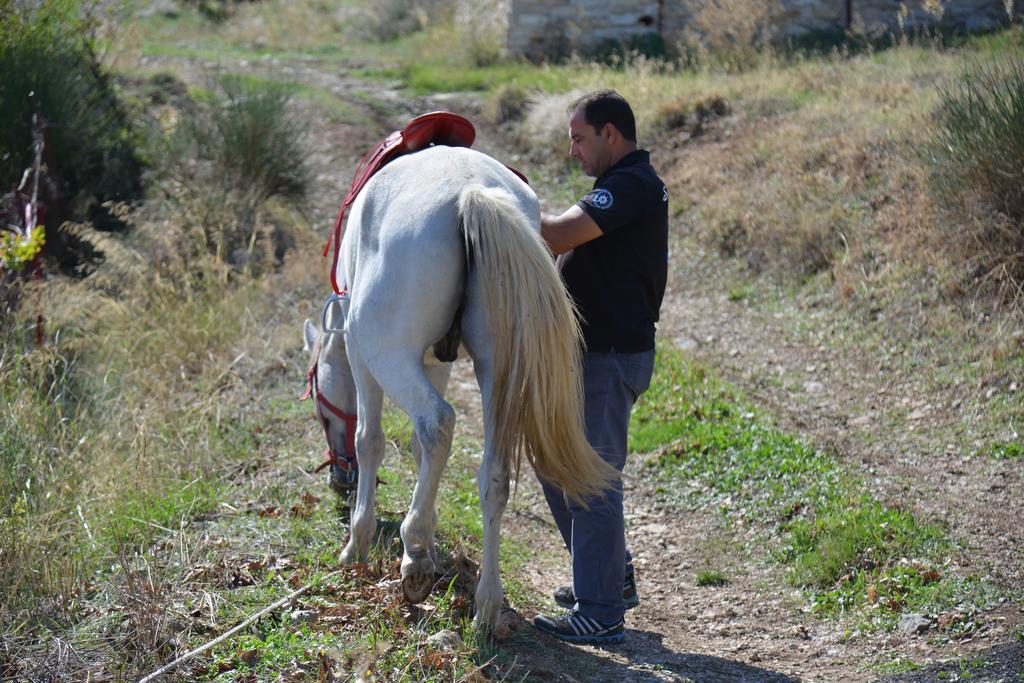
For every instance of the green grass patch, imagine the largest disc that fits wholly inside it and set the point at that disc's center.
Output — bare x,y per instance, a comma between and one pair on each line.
742,293
1007,450
851,534
139,518
711,577
731,459
433,76
838,540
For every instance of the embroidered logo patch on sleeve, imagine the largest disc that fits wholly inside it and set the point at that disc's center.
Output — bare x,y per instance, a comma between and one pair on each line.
600,199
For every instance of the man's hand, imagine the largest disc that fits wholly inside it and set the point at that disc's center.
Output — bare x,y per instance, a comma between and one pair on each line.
568,231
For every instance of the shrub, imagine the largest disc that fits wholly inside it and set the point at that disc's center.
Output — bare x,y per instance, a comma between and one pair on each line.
253,139
619,51
977,158
45,50
507,104
390,19
677,114
481,29
732,32
241,148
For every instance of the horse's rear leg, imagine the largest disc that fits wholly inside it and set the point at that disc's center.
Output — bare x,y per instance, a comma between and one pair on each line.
438,376
493,483
370,454
404,379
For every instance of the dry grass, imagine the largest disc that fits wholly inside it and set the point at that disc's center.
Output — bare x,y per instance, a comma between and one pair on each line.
814,178
976,154
128,422
735,34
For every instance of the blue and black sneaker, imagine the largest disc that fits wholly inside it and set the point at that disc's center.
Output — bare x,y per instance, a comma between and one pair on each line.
573,627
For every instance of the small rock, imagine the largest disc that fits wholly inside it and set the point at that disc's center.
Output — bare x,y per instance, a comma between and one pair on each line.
304,616
686,343
800,631
862,420
814,387
445,640
914,624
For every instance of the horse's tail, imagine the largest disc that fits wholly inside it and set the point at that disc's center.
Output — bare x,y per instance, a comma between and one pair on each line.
537,398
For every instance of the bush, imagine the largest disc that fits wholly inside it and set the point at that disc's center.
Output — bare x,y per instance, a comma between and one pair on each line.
507,104
253,139
240,148
390,19
733,33
48,64
619,51
977,157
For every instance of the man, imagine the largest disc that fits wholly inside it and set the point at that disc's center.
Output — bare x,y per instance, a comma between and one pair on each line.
614,260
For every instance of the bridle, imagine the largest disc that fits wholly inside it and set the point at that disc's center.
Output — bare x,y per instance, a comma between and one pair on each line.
346,460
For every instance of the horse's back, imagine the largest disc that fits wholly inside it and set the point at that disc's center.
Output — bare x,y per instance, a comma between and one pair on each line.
431,182
404,254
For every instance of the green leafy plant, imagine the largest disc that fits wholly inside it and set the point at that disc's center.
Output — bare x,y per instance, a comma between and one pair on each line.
17,251
711,577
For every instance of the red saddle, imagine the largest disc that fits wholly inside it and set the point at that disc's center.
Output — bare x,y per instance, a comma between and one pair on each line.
435,128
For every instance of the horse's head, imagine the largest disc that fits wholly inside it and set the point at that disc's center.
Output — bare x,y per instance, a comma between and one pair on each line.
334,398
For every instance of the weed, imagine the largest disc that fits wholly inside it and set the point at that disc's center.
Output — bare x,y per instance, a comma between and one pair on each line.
711,577
977,152
252,139
390,19
733,33
240,148
507,104
1007,450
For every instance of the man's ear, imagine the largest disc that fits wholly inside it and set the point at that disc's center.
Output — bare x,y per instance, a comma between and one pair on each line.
609,131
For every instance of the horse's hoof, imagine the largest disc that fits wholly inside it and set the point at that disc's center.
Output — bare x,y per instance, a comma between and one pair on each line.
416,587
349,554
417,579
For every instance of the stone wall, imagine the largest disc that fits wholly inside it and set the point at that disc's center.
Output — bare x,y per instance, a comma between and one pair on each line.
540,29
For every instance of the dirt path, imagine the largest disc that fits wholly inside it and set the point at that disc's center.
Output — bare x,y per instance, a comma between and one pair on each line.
755,627
884,425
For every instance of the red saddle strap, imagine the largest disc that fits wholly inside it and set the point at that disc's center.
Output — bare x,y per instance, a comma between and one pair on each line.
435,128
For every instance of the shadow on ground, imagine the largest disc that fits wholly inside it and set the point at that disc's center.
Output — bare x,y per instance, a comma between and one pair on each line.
642,657
1004,662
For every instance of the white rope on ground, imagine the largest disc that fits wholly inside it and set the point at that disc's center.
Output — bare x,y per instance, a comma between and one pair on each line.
224,636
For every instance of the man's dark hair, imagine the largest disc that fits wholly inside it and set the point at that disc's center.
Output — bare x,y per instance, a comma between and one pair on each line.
606,106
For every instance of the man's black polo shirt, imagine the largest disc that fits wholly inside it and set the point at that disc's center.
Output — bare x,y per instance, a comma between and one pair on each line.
618,279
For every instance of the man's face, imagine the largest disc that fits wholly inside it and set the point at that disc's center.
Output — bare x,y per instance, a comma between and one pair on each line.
590,148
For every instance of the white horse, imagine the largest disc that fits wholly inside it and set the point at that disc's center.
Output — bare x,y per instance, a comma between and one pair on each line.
445,239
